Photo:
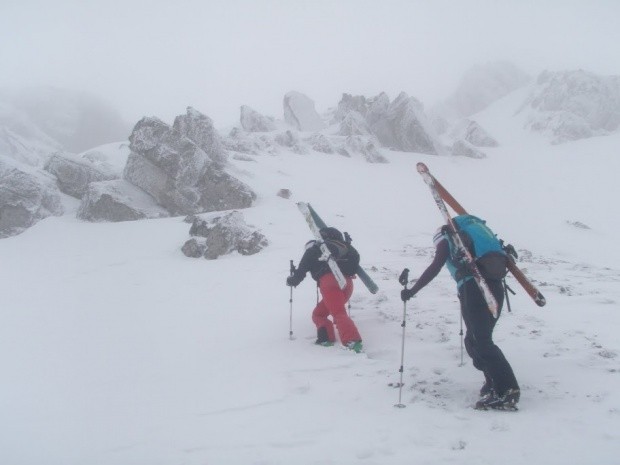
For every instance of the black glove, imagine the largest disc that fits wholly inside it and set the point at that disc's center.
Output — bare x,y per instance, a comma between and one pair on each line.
292,281
406,294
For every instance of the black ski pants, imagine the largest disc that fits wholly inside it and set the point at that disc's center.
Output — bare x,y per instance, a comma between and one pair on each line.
486,356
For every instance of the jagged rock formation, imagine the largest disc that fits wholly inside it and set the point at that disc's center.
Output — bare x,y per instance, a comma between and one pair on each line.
402,126
74,174
117,200
221,235
573,105
177,173
300,113
200,130
253,121
25,198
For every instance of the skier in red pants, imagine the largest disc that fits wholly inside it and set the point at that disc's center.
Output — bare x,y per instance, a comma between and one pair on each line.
334,298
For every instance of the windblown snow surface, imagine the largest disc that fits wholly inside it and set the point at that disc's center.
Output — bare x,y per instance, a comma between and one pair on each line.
115,348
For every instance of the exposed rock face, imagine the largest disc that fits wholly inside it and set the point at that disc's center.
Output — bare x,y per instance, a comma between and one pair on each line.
574,105
253,121
25,198
200,130
74,174
221,235
351,103
353,124
117,200
403,126
463,148
300,113
177,173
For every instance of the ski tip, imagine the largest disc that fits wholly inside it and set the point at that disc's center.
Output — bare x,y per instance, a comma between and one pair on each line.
421,167
540,300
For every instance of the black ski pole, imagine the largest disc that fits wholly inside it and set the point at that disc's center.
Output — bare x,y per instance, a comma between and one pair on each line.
290,330
403,279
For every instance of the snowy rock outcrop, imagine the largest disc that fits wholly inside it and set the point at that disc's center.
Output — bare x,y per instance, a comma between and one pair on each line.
481,86
117,200
573,105
473,133
253,121
221,235
402,126
75,174
353,124
25,198
200,130
177,173
366,146
462,148
300,113
351,103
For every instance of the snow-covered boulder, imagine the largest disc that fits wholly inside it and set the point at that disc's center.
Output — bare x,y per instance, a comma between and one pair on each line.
573,105
473,133
253,121
462,148
22,141
221,235
403,126
26,197
117,200
74,174
179,175
199,128
300,113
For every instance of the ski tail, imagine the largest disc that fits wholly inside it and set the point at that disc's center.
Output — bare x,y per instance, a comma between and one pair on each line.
525,283
367,280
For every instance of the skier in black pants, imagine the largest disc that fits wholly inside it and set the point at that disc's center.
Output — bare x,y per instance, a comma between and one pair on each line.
500,390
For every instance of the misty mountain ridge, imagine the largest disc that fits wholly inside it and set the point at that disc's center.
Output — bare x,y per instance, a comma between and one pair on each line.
184,168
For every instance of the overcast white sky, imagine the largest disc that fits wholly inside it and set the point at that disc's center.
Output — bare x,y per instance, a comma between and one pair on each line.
157,57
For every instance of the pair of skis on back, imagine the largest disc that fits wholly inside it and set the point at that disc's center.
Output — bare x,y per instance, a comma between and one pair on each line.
443,197
316,224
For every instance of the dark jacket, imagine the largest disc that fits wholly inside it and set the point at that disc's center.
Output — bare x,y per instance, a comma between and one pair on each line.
347,258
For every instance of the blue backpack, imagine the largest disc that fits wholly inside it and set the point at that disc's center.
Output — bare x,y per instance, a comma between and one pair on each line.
484,246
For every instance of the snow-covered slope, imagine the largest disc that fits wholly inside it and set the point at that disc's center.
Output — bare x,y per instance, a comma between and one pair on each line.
116,348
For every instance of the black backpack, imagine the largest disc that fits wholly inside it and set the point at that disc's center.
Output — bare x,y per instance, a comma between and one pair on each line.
347,257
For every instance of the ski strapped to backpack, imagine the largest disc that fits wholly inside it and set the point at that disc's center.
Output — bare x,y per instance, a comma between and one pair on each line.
367,280
327,256
461,251
512,267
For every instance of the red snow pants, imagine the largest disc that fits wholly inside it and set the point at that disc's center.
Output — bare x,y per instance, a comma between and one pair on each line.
333,303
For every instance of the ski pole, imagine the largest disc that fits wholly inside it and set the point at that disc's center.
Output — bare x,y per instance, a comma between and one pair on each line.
290,330
461,334
403,279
